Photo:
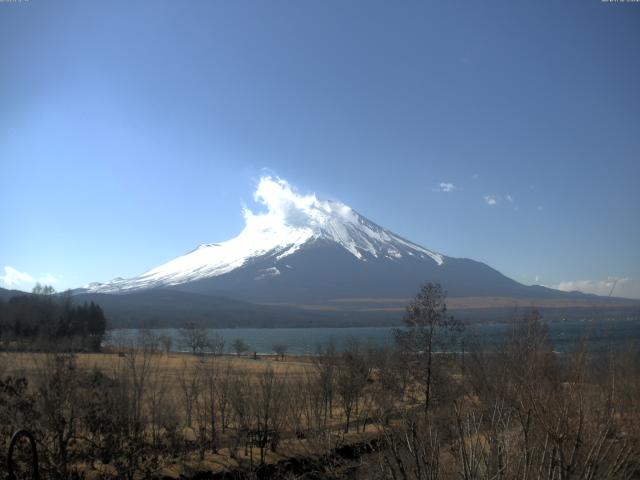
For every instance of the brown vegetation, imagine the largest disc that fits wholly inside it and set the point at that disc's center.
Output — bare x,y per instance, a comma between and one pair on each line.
518,410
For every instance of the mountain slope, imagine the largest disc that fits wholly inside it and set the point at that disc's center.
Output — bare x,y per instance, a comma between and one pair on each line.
292,222
322,271
6,294
308,251
169,308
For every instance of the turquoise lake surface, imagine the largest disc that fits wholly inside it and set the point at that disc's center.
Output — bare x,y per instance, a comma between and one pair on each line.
600,334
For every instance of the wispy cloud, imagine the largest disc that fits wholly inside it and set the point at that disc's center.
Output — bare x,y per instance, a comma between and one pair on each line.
506,200
48,279
512,201
446,187
490,200
622,287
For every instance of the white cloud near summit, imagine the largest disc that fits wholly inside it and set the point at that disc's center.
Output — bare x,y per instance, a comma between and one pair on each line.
14,278
287,208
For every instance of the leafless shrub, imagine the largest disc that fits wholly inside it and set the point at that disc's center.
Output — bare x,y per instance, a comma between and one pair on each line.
207,404
430,330
280,349
513,410
239,346
57,390
326,365
189,381
352,376
194,338
412,449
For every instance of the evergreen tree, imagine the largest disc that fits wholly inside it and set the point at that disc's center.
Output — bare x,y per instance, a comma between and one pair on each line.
48,317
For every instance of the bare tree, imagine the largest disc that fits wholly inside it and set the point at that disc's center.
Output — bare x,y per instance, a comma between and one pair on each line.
207,403
148,340
280,349
166,341
194,338
158,404
223,393
240,346
314,400
240,394
351,380
18,409
269,407
518,409
392,379
429,328
541,415
57,395
325,363
413,446
189,381
132,373
216,344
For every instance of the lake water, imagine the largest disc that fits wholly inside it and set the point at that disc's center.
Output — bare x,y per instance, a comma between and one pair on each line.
601,334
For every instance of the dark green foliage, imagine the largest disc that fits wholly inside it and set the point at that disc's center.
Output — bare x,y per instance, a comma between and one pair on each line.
51,319
86,321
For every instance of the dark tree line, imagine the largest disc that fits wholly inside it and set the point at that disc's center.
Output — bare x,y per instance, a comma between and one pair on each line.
43,318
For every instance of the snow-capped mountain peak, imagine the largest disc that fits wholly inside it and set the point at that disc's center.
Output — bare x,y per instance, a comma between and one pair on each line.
290,221
324,219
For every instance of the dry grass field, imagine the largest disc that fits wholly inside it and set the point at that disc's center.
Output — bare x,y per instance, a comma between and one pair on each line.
518,411
27,363
176,384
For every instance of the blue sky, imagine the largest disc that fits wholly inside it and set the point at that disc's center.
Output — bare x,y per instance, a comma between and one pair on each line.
130,132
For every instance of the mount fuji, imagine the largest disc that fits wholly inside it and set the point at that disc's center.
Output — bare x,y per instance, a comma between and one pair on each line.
293,227
322,256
